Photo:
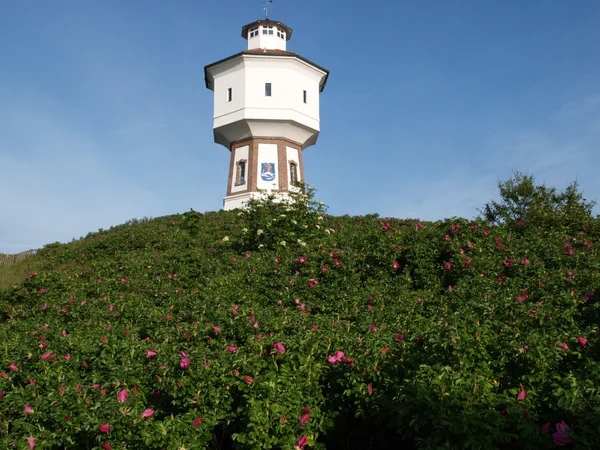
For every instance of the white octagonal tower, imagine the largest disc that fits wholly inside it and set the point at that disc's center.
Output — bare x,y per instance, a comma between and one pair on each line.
266,111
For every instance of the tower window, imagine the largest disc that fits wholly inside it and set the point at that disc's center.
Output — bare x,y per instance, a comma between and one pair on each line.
267,89
293,173
280,34
267,30
230,94
240,176
304,96
254,32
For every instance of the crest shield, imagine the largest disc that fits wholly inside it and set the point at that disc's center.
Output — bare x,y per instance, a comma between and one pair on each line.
267,171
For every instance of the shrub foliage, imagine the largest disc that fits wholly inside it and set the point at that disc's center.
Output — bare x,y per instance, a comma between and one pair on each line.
281,327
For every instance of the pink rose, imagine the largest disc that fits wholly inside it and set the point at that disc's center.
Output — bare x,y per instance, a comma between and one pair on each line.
122,396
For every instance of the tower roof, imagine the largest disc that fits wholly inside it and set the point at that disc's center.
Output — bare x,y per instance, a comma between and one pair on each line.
208,78
267,22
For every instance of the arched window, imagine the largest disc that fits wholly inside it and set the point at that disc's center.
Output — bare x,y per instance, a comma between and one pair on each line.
240,176
293,173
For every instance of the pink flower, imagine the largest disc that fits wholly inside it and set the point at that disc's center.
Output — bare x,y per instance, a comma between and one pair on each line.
339,356
47,355
312,282
561,437
31,442
150,353
396,265
1,395
13,368
231,348
122,396
314,328
399,337
235,308
279,347
28,409
370,389
331,359
447,266
304,419
384,350
217,329
147,413
106,446
522,395
248,379
197,422
582,341
64,333
67,356
104,428
373,328
302,442
185,361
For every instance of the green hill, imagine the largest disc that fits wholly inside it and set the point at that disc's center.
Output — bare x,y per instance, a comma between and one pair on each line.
284,327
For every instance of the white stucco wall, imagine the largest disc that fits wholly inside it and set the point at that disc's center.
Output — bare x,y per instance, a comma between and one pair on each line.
247,75
240,153
267,154
230,75
289,77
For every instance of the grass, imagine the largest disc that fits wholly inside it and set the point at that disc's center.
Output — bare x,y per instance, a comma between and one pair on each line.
15,272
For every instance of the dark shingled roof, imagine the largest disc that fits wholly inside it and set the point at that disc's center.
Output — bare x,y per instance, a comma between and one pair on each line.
267,52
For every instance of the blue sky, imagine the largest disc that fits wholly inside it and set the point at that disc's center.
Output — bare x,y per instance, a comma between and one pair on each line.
104,115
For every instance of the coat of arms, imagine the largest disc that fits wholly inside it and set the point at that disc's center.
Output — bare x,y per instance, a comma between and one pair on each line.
267,171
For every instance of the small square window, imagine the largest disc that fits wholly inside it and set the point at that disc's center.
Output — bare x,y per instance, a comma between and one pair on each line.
230,94
267,89
265,31
304,96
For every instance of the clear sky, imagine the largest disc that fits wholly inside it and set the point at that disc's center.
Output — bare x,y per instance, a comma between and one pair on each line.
104,115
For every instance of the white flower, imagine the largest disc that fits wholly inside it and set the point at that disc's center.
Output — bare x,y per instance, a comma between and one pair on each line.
318,227
282,243
320,218
261,246
327,231
245,230
225,239
241,213
259,232
294,222
281,215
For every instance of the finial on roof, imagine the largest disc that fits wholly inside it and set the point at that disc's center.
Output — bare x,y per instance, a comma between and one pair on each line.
266,8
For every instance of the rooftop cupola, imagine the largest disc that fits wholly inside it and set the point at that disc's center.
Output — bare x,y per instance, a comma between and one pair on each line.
266,34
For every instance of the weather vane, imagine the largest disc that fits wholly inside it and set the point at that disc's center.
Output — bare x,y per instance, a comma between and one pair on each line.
266,8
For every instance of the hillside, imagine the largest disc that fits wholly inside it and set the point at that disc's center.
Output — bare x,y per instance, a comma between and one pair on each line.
284,327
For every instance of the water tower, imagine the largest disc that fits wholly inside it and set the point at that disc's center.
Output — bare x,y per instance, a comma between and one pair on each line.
266,112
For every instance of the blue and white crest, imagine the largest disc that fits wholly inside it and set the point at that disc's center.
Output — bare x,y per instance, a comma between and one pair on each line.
267,171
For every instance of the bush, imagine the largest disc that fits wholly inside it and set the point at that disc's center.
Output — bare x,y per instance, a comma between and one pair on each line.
196,331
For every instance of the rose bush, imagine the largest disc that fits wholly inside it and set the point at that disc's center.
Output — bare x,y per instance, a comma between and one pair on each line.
198,331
